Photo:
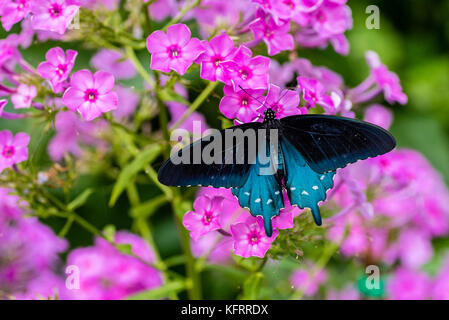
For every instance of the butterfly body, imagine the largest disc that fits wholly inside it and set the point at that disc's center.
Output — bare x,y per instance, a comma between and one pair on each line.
298,155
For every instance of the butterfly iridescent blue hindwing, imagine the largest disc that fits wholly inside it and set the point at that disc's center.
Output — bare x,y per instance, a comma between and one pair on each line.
328,143
261,193
305,187
226,174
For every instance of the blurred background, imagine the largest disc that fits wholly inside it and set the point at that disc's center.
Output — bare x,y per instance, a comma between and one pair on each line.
413,41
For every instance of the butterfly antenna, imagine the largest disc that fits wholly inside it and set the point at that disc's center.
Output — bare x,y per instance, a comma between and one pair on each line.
241,88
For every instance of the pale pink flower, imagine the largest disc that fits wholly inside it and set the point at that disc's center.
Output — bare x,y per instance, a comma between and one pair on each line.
24,96
57,67
113,62
53,15
314,93
405,284
205,217
14,11
91,95
250,238
174,50
13,150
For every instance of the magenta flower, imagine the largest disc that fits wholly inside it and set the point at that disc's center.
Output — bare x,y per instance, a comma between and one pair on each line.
53,15
205,217
128,101
13,150
220,48
283,102
24,96
250,239
415,248
440,290
107,274
314,93
57,67
113,62
405,284
218,250
276,37
247,72
281,10
14,11
240,104
174,50
91,95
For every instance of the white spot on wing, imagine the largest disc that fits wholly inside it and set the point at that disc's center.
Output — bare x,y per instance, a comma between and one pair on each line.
276,193
292,188
305,193
257,200
246,193
315,187
322,177
269,201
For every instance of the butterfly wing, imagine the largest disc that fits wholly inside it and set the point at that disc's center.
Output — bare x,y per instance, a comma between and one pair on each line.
225,173
330,142
261,193
305,187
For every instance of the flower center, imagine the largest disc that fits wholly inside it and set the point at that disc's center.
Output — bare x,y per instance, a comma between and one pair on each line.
207,218
55,10
244,74
216,61
174,52
254,238
61,69
244,102
8,151
91,95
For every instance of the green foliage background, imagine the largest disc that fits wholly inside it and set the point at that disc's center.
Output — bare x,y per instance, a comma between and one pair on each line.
413,40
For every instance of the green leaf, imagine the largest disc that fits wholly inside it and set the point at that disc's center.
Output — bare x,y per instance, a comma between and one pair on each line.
125,248
80,200
129,172
146,209
109,232
252,286
251,263
160,292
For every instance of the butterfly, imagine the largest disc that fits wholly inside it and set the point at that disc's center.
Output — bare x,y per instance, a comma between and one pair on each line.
303,152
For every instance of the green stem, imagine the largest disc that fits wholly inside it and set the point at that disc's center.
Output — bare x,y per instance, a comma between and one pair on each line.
139,67
187,7
195,104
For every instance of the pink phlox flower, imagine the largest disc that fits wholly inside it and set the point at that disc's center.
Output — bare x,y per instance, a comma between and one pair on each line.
314,93
250,238
415,248
246,71
174,50
284,103
113,62
13,149
218,49
280,10
205,217
405,284
379,115
91,95
128,101
57,67
308,280
275,36
24,96
53,15
280,75
241,104
217,247
13,11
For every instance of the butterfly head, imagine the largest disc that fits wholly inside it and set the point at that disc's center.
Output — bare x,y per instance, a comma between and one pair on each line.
269,115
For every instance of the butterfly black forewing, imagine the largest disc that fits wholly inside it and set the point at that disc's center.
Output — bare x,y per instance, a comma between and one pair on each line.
217,175
331,142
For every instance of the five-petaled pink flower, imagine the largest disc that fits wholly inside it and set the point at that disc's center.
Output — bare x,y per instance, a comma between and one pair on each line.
205,217
91,95
250,239
276,37
174,50
218,49
240,104
283,102
14,11
247,72
24,96
57,67
13,150
53,15
314,93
